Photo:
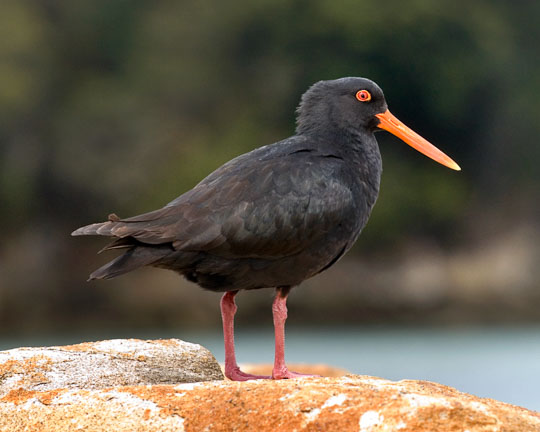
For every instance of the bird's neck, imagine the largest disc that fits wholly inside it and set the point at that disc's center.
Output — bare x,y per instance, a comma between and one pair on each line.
358,149
361,150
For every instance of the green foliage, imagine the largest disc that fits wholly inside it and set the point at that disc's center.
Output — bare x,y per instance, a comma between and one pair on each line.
124,105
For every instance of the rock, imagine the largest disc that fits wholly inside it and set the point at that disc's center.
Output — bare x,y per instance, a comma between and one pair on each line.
350,403
97,365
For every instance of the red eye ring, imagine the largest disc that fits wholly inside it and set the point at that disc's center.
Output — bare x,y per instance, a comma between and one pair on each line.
363,95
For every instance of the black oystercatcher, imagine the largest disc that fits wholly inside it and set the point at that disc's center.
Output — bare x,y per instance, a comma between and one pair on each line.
275,216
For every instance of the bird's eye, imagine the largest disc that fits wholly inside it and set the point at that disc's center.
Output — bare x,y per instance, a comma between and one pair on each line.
363,95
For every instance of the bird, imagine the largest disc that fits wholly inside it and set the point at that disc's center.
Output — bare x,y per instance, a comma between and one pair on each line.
275,216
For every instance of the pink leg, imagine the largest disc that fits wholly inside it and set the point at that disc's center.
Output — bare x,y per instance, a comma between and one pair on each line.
228,309
279,312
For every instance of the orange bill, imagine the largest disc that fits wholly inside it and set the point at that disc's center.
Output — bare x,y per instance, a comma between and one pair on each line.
391,124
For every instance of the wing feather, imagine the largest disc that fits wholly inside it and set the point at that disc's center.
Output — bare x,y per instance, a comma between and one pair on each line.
266,207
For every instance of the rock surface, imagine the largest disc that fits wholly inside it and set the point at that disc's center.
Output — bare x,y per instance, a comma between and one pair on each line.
105,364
133,385
350,403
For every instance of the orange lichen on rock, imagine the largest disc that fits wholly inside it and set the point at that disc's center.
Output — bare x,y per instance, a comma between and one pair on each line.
350,403
28,371
80,347
21,396
132,385
18,396
166,342
24,366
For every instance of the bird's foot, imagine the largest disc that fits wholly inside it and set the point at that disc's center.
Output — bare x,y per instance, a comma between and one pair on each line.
284,373
235,374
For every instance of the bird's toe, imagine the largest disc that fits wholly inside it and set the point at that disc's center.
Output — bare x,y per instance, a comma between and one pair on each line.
235,374
284,373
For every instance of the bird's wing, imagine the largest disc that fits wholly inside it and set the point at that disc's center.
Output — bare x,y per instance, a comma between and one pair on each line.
264,208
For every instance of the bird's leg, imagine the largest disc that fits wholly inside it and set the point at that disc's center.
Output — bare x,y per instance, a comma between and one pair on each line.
279,312
228,309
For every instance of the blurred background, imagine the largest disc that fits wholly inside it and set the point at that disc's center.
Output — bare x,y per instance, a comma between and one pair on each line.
122,106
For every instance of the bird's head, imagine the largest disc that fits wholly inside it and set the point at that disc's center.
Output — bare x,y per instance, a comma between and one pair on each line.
358,104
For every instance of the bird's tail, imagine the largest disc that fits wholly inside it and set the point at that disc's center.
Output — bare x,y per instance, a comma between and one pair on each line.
138,254
101,228
134,258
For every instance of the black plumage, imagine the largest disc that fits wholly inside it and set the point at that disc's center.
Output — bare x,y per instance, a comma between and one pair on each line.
271,217
275,216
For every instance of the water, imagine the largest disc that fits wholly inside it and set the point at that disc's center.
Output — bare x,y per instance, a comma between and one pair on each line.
497,362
